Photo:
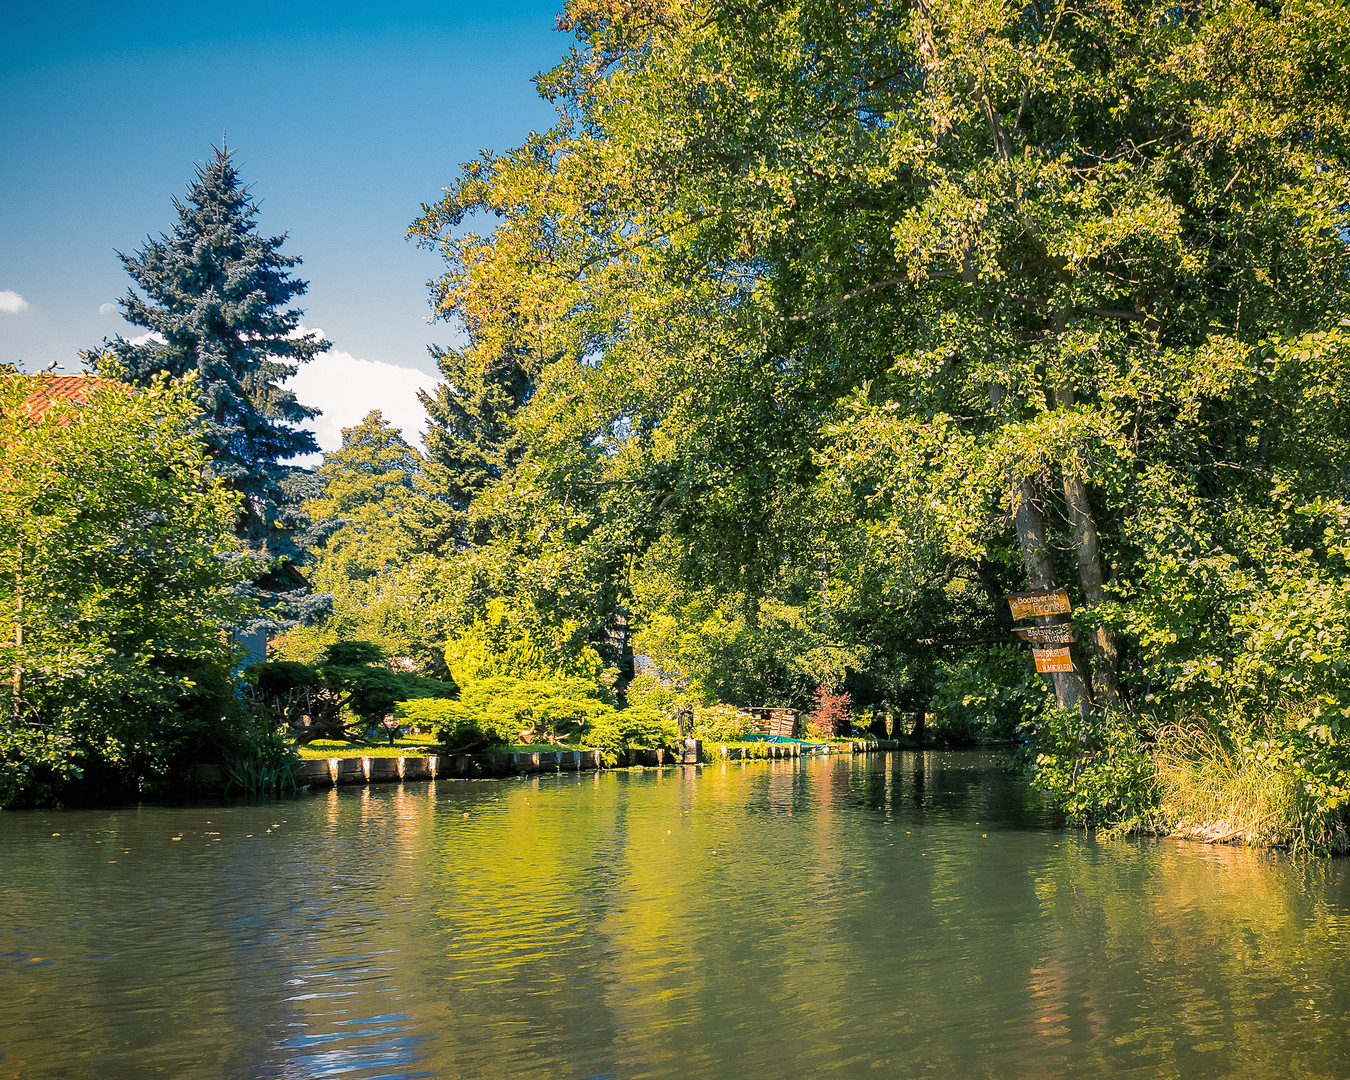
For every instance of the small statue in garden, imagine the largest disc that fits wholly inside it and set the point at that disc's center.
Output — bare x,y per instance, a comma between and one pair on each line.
684,720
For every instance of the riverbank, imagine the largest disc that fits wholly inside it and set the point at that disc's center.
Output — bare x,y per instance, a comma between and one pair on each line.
385,768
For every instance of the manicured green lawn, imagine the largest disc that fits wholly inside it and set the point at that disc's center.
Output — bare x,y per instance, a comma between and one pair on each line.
403,746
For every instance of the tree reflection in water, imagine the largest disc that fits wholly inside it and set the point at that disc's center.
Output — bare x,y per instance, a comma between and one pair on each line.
905,915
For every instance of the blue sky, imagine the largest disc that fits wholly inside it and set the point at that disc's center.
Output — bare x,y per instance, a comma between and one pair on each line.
344,119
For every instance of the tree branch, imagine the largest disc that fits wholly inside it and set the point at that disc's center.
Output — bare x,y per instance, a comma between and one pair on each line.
825,309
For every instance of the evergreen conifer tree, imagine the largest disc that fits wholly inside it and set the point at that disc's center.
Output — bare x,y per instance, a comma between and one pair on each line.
470,441
214,294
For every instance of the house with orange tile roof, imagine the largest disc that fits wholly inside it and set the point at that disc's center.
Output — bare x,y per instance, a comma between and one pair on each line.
50,390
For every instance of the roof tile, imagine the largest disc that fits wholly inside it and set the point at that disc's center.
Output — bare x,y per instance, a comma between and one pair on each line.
53,389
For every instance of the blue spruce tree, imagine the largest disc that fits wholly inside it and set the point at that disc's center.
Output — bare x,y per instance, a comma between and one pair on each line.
214,294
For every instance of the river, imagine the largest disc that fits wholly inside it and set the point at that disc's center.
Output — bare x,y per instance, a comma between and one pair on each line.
889,915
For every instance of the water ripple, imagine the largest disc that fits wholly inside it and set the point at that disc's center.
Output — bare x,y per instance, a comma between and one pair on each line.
907,915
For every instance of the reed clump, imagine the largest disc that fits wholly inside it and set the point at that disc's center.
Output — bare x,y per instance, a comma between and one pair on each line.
1279,780
1248,784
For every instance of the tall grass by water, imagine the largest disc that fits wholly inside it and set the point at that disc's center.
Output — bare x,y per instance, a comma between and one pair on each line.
1224,786
1277,780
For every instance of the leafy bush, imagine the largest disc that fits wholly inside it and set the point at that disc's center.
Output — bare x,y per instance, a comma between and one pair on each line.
1275,780
648,689
832,716
639,725
503,642
1097,770
499,710
37,765
722,724
456,726
651,715
314,700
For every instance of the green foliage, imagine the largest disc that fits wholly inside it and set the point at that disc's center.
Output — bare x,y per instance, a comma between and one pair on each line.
350,682
368,486
722,724
638,725
471,443
354,654
40,767
505,709
380,592
257,758
504,643
1097,769
1273,779
117,567
649,689
739,646
523,586
825,301
1243,620
986,693
400,609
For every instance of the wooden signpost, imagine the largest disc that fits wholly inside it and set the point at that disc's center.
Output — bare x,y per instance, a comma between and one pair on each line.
1046,635
1033,605
1049,644
1052,659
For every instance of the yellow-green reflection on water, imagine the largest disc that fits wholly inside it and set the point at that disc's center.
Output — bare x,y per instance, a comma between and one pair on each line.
897,915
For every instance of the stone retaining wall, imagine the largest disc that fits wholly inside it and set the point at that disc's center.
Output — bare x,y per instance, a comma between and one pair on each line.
339,771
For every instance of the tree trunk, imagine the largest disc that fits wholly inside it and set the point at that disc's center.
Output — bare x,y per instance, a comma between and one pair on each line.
1070,689
1092,576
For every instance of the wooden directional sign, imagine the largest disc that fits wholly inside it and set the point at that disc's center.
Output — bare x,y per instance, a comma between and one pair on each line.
1052,659
1045,635
1032,605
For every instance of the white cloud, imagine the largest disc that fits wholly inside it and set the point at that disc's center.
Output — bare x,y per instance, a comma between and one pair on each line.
347,388
146,338
10,301
106,309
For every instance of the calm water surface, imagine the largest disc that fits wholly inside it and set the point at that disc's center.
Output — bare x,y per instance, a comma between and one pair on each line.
902,915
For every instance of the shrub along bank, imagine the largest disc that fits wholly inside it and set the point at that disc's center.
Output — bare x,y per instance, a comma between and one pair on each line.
1275,781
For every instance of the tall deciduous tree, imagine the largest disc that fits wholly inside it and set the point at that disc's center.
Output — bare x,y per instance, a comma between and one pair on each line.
1066,284
116,570
214,295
